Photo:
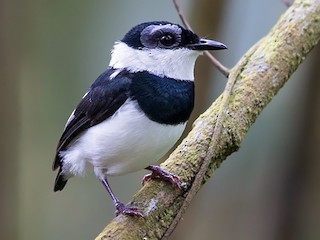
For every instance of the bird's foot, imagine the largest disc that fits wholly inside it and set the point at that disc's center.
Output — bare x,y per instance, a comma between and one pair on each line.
158,172
128,210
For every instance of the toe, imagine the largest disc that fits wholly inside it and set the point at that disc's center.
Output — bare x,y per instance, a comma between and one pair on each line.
128,210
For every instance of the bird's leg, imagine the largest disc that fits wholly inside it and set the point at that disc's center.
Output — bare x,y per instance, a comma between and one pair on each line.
158,172
120,207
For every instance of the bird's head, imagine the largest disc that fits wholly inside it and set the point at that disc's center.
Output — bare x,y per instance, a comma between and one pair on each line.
161,48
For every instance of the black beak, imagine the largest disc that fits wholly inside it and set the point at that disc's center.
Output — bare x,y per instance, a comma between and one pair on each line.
206,44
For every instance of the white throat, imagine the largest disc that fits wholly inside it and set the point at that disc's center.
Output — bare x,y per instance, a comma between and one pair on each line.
172,63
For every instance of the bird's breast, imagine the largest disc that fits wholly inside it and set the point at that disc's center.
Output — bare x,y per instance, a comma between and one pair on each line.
126,142
163,100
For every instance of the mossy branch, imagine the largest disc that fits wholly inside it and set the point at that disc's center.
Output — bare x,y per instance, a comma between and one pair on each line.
258,76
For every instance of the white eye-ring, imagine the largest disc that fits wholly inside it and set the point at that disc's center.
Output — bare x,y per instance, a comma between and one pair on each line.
161,36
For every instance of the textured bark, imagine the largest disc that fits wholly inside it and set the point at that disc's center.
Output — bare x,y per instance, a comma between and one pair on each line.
259,75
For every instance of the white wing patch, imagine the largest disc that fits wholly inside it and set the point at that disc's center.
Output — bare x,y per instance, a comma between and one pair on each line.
72,114
115,73
70,119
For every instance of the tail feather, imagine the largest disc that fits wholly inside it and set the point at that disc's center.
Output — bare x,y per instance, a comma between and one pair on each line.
60,181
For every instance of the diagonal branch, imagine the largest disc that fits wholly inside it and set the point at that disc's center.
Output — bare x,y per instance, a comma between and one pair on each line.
258,76
213,144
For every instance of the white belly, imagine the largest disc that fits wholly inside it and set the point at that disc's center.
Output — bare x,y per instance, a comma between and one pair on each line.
126,142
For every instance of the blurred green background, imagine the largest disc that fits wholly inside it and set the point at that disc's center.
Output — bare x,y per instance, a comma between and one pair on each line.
51,51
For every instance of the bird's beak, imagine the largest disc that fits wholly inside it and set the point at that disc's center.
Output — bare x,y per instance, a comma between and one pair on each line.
206,44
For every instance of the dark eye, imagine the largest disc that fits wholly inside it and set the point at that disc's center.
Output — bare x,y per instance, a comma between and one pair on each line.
167,40
161,36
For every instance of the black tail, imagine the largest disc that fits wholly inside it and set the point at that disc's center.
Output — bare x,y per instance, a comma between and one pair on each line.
60,182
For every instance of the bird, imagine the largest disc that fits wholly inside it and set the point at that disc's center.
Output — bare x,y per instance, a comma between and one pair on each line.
136,110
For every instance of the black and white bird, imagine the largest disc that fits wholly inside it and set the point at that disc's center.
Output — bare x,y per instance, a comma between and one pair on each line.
136,110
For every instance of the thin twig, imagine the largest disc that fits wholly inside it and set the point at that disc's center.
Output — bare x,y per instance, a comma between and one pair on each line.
212,147
183,19
224,70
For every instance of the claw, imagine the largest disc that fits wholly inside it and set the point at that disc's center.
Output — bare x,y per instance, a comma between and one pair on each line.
128,210
158,172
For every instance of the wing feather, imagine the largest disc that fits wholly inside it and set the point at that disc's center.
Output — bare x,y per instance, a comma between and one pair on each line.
103,99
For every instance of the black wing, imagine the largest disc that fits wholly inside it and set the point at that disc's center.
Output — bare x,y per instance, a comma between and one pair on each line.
103,99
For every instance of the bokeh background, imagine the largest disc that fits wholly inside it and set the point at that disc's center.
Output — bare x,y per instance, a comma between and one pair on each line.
51,51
